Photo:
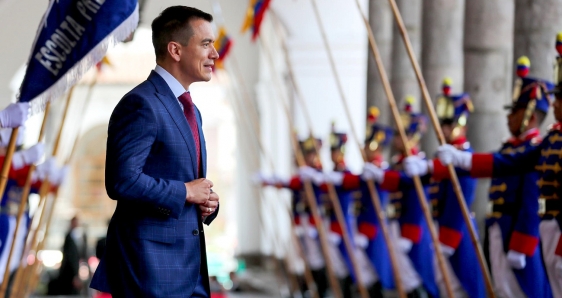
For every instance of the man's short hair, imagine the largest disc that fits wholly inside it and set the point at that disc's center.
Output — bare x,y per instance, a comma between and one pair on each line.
173,25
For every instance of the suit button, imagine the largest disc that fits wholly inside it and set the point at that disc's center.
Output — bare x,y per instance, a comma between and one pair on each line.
195,232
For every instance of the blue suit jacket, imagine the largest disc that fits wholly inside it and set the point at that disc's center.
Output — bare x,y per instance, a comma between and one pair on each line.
155,246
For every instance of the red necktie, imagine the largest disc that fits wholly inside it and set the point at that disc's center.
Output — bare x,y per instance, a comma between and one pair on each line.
189,112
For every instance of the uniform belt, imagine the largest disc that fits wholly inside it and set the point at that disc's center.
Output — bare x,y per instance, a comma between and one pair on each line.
549,208
8,211
505,208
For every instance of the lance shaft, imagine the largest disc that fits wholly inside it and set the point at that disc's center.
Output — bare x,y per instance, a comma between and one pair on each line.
309,279
309,196
417,181
332,194
370,184
454,178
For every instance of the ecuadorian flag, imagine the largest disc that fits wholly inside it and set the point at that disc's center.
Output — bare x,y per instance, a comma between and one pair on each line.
223,45
254,16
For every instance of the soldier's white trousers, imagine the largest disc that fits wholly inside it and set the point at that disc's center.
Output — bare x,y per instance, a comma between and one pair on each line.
505,282
550,233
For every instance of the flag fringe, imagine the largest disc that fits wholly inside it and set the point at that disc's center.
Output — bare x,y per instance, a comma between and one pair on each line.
74,74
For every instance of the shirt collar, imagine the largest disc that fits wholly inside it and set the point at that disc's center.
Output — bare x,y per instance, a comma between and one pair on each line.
172,82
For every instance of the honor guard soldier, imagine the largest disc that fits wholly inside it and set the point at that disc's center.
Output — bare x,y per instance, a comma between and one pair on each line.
512,221
453,111
543,158
414,238
408,275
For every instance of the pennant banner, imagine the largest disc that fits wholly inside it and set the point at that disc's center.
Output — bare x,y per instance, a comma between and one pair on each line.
73,36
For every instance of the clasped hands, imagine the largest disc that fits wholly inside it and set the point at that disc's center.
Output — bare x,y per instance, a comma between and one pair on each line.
199,192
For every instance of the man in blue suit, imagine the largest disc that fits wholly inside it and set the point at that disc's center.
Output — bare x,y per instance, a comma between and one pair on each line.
155,169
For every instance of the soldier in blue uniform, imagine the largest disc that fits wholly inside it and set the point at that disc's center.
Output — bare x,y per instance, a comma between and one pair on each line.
414,239
417,249
543,158
362,219
454,238
512,222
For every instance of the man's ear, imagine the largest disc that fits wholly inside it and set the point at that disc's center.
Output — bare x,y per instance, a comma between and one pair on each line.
174,50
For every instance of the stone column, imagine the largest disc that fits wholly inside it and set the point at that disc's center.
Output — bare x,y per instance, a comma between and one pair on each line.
442,52
381,22
488,57
403,79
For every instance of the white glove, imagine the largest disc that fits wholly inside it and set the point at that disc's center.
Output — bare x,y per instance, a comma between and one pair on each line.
404,244
361,240
57,178
46,169
28,156
259,179
335,178
416,166
516,259
448,154
447,250
15,115
311,232
299,231
6,134
307,173
372,172
334,238
558,266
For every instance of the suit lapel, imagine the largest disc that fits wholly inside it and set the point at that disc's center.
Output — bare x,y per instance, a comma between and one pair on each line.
171,104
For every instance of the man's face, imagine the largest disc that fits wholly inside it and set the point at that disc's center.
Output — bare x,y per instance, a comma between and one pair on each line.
447,131
557,105
198,57
336,156
514,121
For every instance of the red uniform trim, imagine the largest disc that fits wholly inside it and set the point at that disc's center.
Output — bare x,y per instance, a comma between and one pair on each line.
412,232
523,243
311,220
558,250
449,237
297,220
351,182
367,229
391,181
440,171
295,183
482,165
336,228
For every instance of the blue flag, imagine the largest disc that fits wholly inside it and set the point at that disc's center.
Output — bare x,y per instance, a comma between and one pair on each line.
72,37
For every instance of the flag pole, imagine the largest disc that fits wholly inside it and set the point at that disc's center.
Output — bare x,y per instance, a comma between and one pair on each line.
332,194
8,161
399,124
23,203
370,184
454,178
44,192
309,194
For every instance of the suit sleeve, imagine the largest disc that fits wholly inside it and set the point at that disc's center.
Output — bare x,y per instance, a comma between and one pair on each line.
451,221
525,236
132,132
